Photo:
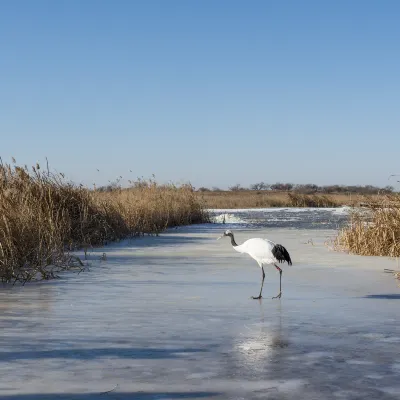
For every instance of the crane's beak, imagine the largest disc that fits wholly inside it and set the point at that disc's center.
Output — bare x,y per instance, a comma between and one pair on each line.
220,237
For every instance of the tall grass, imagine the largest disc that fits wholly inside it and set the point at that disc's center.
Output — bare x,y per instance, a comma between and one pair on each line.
375,231
43,217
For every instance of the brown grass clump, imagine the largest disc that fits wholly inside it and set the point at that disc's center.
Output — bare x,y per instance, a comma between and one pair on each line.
375,231
43,217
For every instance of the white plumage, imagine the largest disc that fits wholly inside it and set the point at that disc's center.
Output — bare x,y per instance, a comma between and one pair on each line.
264,252
259,249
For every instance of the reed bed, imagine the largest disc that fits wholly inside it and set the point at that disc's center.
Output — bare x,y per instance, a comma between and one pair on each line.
43,218
258,199
151,208
375,230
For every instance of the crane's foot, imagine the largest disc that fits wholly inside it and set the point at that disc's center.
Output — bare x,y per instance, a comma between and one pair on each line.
278,296
256,298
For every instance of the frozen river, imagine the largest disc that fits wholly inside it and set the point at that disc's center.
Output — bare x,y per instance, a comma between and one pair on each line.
170,317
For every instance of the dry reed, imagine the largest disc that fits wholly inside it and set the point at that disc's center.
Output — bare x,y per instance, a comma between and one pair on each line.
375,231
43,218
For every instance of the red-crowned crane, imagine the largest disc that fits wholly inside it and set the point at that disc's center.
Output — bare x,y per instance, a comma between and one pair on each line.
264,252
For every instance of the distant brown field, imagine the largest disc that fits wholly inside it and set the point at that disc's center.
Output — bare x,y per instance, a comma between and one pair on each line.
258,199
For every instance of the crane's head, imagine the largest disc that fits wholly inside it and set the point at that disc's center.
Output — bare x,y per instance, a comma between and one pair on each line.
228,232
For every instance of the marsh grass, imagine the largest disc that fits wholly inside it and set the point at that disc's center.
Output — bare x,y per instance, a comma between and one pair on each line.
375,230
43,218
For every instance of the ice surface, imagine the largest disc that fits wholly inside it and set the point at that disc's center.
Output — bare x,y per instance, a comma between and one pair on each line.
227,218
170,317
298,218
335,210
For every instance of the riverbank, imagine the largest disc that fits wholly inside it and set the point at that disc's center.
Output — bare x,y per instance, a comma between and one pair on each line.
44,218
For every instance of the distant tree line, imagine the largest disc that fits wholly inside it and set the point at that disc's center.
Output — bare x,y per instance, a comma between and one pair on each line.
308,188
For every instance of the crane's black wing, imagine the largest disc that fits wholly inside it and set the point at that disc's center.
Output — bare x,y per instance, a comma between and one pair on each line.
281,254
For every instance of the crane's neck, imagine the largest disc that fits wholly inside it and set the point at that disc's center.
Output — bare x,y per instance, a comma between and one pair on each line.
234,244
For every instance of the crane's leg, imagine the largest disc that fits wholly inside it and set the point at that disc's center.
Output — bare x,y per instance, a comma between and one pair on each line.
278,296
262,284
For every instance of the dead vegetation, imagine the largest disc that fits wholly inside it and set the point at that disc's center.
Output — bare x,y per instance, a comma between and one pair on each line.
43,218
374,230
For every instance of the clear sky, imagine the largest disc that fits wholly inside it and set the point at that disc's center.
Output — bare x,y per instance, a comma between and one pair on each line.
213,92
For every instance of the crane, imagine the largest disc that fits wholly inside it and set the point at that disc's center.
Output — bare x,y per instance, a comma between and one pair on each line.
264,252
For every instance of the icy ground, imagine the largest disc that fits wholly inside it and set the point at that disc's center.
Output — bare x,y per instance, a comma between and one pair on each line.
171,317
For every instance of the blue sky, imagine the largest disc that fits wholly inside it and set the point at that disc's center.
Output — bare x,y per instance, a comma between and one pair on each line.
212,92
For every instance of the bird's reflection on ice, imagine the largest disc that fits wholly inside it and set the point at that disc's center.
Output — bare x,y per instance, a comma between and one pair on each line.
257,344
